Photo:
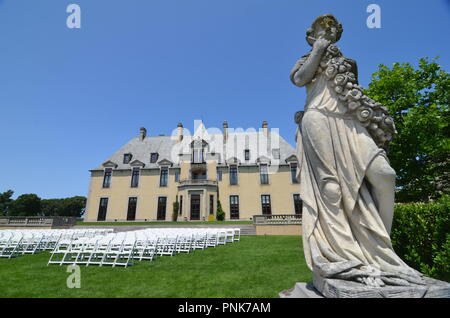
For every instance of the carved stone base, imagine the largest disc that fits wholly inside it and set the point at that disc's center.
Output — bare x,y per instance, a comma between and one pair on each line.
337,288
301,290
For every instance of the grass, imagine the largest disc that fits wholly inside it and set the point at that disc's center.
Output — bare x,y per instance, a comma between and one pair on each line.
257,266
162,223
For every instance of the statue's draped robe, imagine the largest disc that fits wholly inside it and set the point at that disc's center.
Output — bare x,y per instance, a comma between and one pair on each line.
343,233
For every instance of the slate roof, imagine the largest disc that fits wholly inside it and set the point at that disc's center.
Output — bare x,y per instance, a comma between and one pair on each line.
169,149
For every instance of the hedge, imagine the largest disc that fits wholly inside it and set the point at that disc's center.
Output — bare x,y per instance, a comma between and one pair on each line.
421,236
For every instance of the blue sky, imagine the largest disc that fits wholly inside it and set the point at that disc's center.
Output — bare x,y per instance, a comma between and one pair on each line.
69,98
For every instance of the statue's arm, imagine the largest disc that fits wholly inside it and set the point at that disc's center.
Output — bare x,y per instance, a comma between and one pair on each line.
305,69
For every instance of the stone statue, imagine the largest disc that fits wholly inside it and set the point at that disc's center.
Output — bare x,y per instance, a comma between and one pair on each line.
347,183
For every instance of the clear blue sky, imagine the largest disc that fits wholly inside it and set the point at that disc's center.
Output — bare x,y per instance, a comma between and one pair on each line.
69,98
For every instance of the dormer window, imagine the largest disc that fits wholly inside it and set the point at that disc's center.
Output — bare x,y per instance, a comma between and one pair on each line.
153,157
127,158
198,151
247,154
276,153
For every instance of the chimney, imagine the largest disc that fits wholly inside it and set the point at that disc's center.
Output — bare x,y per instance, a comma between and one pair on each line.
225,131
143,133
180,132
265,128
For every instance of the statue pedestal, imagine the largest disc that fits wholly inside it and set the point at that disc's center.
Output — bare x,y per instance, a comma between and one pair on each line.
337,288
301,290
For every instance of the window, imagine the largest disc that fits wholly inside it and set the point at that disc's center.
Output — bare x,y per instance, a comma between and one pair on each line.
135,178
180,211
127,158
211,204
197,155
107,178
219,175
233,175
265,204
276,153
198,152
297,204
163,177
234,207
247,154
177,176
161,215
294,173
102,209
264,174
131,213
153,157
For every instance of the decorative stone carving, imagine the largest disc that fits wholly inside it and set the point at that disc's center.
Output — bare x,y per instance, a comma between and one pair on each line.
347,184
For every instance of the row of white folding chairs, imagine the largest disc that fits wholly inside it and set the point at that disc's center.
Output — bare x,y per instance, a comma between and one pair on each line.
18,242
120,249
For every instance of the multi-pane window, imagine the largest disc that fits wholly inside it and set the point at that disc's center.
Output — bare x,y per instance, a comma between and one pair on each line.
131,213
219,175
276,153
107,178
234,207
247,154
264,174
233,174
197,155
297,204
294,173
265,204
153,157
180,211
162,202
135,178
211,204
163,177
177,176
127,158
102,209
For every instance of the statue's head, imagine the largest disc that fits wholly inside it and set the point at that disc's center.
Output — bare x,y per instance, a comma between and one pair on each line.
325,26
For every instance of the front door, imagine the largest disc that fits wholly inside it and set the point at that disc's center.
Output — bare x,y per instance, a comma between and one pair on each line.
195,207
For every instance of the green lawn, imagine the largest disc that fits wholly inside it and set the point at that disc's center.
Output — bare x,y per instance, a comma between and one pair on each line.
163,223
257,266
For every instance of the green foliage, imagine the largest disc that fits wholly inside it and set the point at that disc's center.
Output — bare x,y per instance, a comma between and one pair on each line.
25,205
5,201
220,214
418,100
73,206
175,210
420,236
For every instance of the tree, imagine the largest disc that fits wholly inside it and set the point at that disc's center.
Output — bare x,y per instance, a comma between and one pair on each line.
5,201
175,209
220,214
418,100
73,206
25,205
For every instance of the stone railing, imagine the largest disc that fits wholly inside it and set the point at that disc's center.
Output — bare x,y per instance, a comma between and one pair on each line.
36,221
277,219
188,182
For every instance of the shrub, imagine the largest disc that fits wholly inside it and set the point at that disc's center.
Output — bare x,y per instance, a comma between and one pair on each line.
420,236
175,209
220,214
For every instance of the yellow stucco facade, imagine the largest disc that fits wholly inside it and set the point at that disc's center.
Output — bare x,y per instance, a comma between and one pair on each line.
196,186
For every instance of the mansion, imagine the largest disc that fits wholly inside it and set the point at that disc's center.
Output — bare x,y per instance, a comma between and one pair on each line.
249,172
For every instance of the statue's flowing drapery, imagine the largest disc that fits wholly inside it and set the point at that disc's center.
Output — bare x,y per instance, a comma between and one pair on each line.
343,233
